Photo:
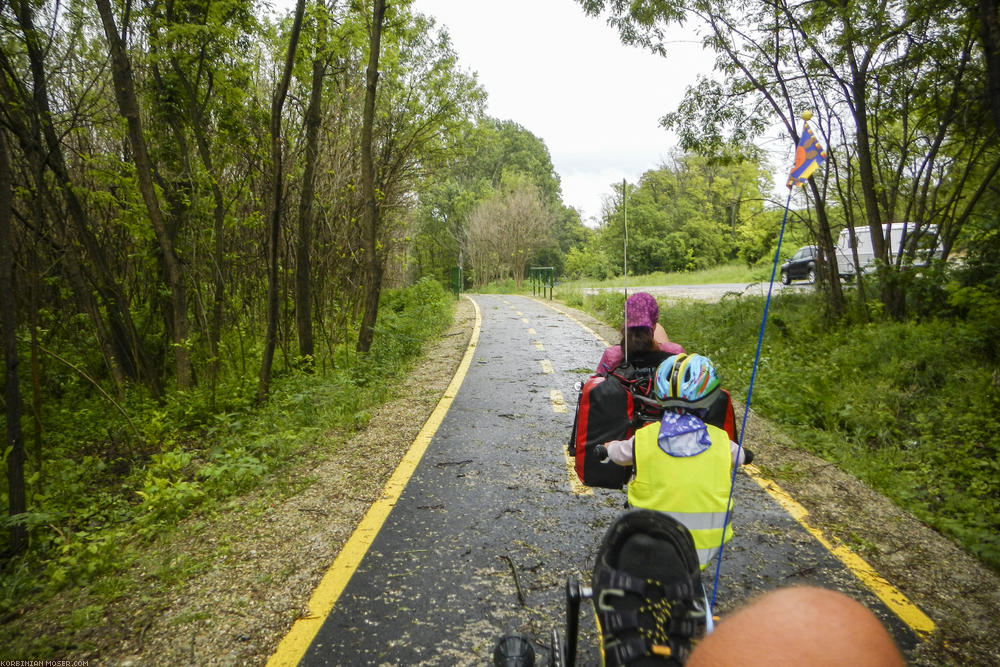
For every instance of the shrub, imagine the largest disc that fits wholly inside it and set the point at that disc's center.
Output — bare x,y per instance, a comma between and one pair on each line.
99,489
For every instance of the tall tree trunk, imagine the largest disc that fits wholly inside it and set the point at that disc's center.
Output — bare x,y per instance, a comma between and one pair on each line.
303,296
989,32
124,349
12,391
128,105
828,251
274,212
369,237
892,294
198,124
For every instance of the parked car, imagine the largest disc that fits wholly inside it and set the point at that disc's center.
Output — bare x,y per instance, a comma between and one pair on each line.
802,265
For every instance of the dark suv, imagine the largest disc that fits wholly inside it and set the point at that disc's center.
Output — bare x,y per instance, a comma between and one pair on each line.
801,266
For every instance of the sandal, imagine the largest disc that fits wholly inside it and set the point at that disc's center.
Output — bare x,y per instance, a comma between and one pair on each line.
648,594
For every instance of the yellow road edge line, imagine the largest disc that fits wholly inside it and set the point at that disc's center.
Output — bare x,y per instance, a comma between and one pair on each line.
295,644
575,485
893,598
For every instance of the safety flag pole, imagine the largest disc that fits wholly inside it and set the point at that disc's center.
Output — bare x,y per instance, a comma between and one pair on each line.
625,267
809,155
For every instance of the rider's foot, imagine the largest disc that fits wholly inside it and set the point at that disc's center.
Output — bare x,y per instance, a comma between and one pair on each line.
647,591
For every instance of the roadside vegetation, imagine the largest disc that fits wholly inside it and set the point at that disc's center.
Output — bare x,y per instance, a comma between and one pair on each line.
119,475
909,407
731,272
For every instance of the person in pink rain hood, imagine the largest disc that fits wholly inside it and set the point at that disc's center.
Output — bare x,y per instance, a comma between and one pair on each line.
642,335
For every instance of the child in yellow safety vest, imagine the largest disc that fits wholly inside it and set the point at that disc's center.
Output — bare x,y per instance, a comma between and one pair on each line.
683,466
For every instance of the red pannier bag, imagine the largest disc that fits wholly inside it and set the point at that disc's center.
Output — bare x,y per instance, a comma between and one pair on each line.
612,407
604,412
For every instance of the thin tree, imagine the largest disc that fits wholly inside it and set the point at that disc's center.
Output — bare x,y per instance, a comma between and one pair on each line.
303,250
128,105
989,34
373,264
14,441
274,210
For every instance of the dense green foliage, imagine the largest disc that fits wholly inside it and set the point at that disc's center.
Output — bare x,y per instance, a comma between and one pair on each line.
908,407
468,213
98,485
900,95
201,195
689,215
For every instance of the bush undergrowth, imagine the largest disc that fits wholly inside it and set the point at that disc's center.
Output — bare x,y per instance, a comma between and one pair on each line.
101,486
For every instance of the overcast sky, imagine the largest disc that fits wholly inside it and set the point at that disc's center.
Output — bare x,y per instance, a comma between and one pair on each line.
567,79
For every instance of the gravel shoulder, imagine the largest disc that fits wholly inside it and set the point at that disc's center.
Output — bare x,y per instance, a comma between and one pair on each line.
226,588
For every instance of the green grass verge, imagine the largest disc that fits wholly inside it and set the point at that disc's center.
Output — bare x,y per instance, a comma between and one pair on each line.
734,272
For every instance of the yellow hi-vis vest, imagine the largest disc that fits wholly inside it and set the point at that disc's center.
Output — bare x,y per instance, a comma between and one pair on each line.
692,489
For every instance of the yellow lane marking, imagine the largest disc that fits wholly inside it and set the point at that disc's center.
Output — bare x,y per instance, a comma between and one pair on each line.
325,596
576,486
558,402
525,320
531,331
538,345
910,614
547,369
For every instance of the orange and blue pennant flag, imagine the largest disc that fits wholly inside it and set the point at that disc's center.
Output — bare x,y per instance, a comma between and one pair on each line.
809,155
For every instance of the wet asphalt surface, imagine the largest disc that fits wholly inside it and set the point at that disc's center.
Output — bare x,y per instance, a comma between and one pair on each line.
489,528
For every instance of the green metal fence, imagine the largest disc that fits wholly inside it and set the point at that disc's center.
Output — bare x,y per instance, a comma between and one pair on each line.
543,279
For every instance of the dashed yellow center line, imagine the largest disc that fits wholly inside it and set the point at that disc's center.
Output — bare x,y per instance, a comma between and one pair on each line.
524,319
538,345
575,485
558,402
547,369
531,331
908,612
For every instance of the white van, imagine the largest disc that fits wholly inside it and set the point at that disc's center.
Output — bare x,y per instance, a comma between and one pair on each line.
894,237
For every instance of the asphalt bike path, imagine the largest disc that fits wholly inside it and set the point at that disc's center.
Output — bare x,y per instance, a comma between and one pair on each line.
491,522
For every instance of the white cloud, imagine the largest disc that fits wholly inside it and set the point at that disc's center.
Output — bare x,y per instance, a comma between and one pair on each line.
569,80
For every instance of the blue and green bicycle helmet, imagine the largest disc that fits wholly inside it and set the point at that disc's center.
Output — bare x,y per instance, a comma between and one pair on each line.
686,380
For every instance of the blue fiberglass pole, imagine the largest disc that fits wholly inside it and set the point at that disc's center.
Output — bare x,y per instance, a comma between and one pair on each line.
746,409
